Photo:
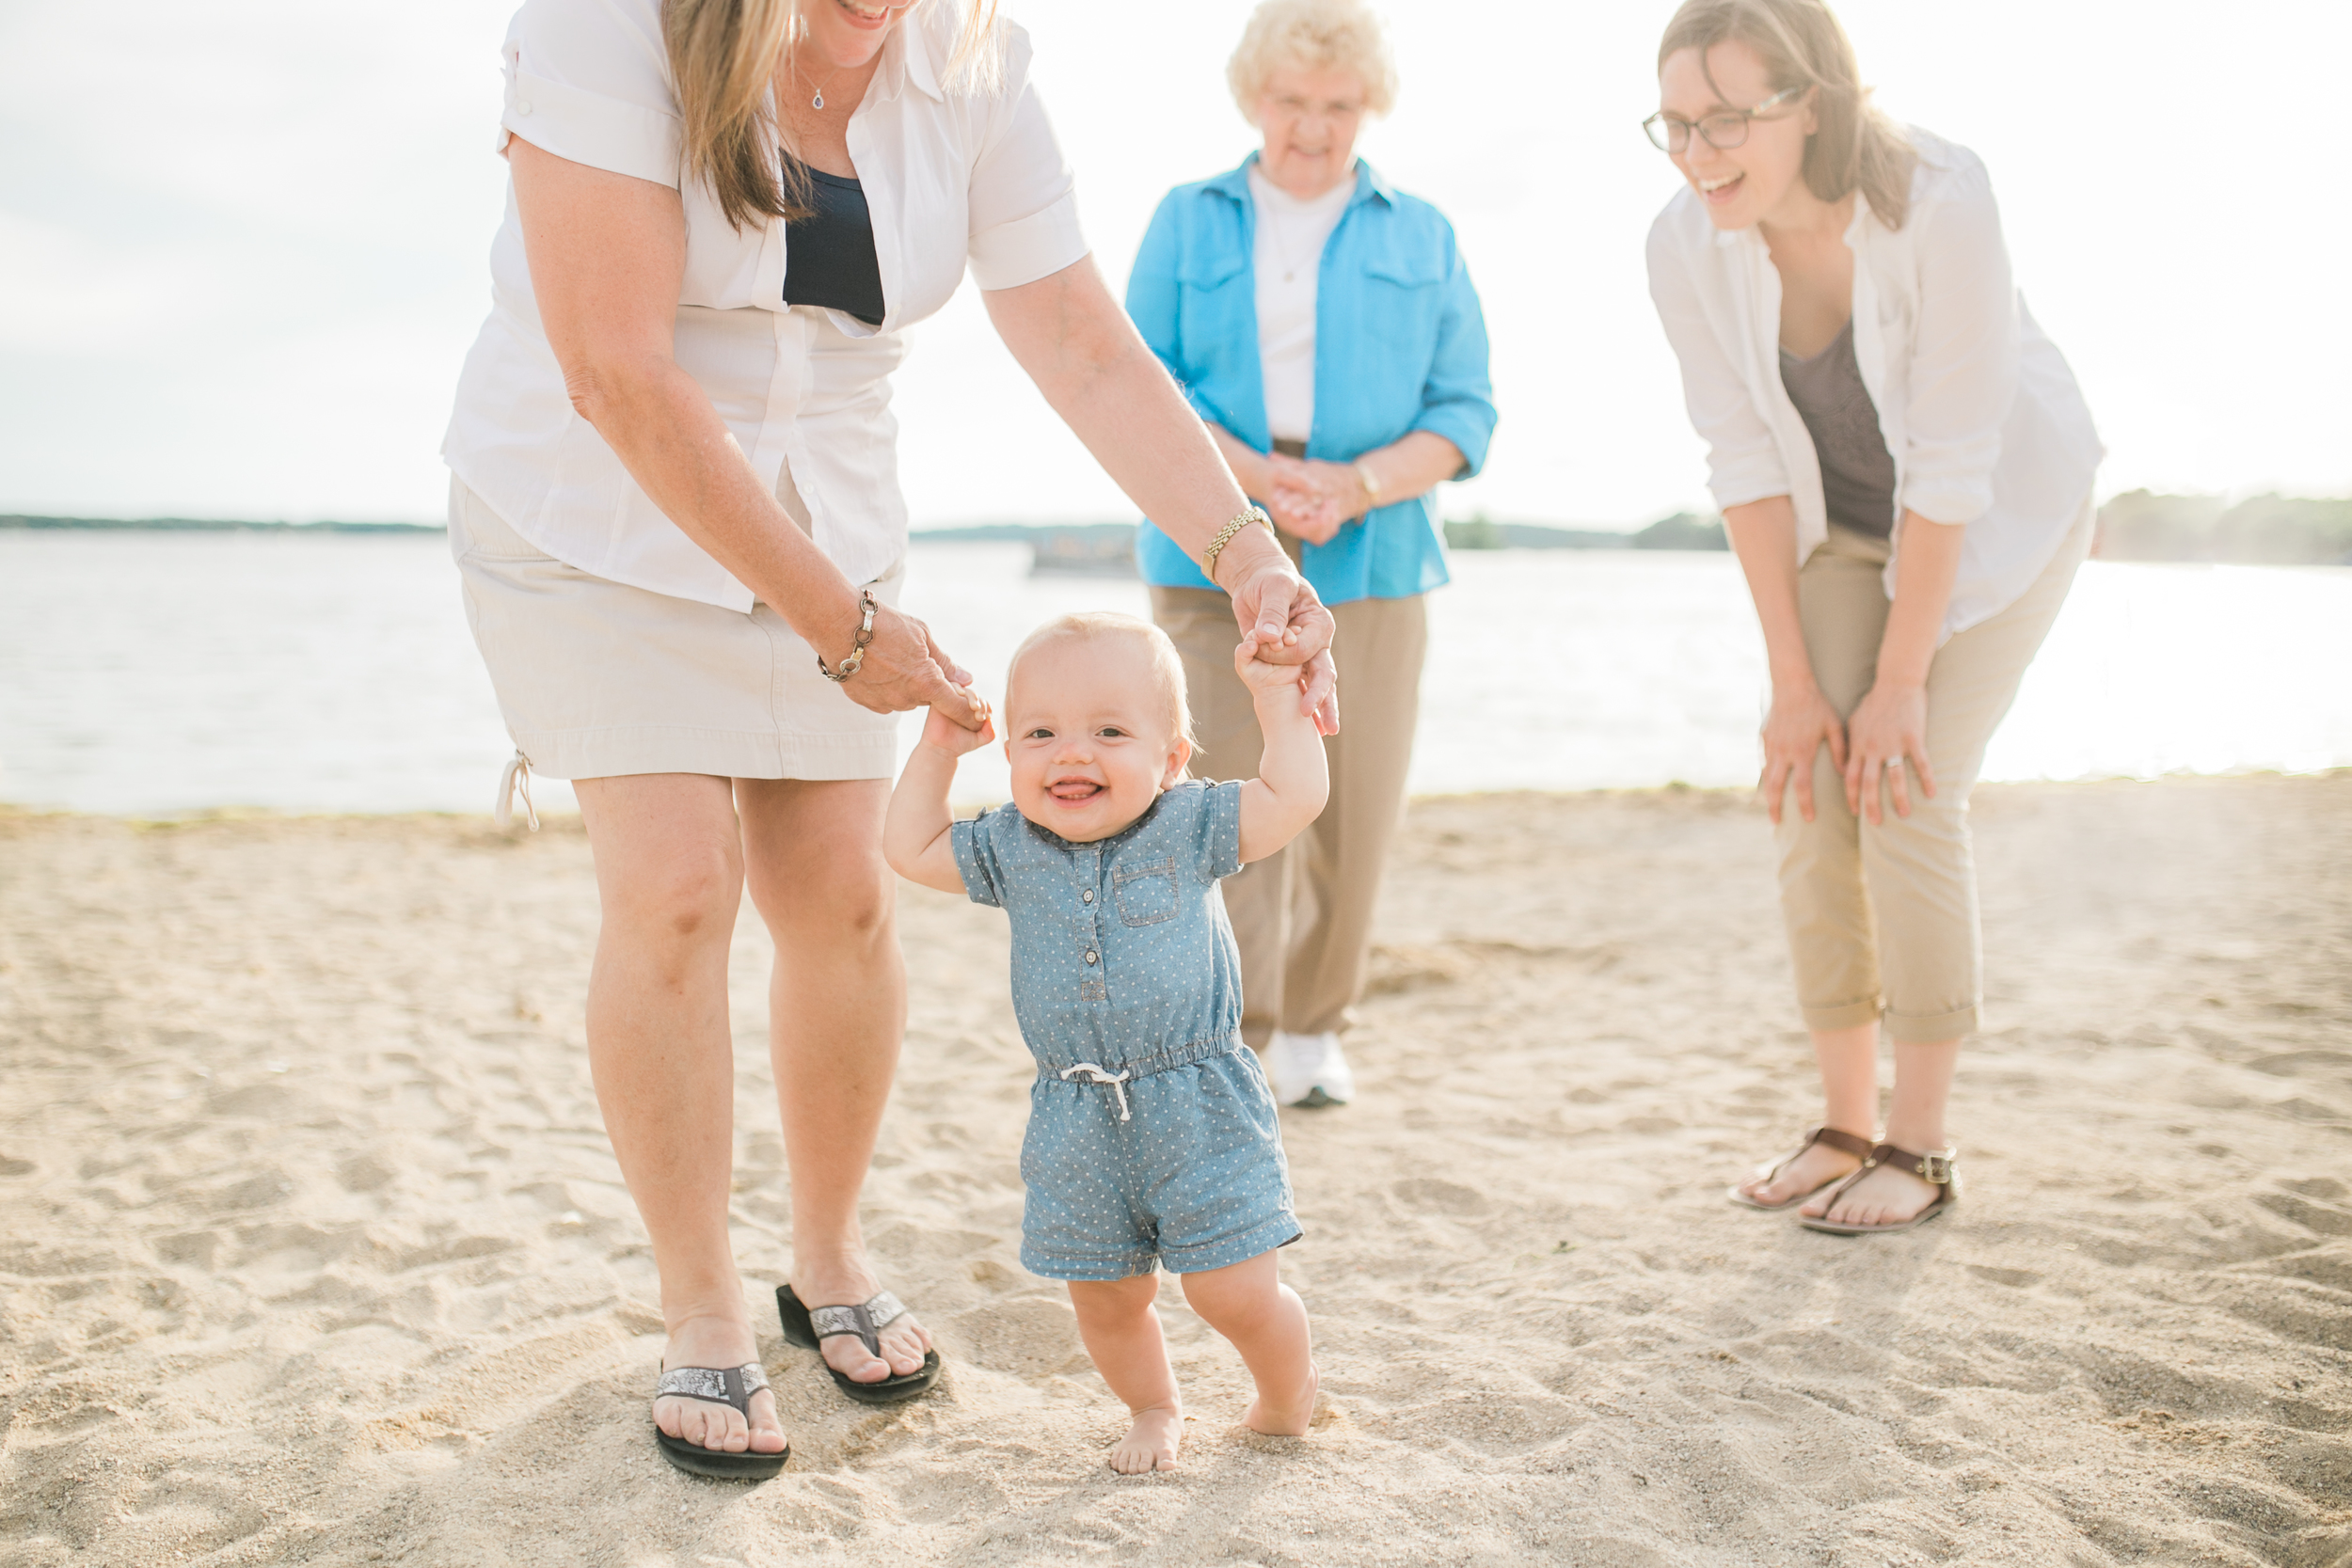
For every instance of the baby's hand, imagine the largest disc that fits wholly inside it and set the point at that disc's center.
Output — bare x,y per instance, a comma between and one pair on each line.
1262,676
953,738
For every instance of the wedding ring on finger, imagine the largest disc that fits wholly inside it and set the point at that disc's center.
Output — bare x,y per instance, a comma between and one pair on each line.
1894,764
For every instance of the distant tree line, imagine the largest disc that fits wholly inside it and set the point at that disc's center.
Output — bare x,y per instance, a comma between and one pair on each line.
2137,525
2267,530
209,525
1683,530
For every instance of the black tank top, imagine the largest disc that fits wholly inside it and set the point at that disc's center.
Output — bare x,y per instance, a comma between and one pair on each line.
829,255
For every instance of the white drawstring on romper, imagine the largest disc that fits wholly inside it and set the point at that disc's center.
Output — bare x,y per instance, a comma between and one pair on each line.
516,777
1118,1080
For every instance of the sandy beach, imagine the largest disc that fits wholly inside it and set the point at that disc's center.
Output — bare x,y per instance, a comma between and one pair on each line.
313,1250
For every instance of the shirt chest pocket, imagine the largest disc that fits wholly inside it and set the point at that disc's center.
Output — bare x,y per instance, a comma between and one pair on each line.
1216,292
1146,892
1403,292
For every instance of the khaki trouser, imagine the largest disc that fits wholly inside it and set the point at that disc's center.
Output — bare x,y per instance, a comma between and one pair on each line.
1303,918
1883,920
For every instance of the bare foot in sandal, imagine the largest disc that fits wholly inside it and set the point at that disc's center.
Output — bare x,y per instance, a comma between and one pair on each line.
1885,1196
715,1342
1826,1156
841,1281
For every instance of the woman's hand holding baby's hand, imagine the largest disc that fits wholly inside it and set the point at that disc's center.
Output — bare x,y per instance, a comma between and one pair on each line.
1262,675
948,735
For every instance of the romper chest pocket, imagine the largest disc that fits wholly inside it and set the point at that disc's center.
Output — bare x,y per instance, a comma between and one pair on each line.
1145,891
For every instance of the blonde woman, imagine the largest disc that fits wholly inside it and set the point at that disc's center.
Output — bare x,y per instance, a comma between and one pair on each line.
1325,327
675,513
1904,465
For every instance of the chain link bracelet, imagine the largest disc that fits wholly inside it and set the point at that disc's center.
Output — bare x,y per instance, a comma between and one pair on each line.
850,665
1225,536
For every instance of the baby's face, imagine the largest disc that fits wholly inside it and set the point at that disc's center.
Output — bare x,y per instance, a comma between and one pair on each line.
1090,737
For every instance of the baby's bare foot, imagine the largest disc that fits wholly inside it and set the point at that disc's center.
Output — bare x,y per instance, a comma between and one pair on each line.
1288,1417
1150,1444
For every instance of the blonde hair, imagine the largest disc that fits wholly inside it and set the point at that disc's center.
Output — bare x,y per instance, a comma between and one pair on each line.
1168,667
723,56
1854,146
1340,35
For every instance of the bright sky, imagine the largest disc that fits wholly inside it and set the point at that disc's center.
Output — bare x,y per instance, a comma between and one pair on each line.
241,248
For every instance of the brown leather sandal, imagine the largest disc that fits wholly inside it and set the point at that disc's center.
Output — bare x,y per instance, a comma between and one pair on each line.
1857,1146
1934,1167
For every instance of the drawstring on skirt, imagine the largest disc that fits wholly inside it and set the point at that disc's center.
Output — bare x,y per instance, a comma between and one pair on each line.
517,779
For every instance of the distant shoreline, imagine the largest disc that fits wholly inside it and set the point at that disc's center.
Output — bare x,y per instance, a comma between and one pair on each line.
2261,531
208,525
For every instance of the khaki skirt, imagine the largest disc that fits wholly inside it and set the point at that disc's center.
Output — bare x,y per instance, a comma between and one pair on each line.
595,678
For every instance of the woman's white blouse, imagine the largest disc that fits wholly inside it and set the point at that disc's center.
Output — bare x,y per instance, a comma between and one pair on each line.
1978,408
950,176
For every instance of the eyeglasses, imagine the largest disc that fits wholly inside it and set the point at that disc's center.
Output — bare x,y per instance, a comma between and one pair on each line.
1722,132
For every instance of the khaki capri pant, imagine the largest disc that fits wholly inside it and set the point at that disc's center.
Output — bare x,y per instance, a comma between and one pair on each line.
1883,920
1303,918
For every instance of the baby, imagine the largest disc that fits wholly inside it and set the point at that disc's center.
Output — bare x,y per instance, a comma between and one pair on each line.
1153,1138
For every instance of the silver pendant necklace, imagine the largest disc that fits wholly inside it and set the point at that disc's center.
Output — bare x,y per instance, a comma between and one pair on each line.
1282,251
817,100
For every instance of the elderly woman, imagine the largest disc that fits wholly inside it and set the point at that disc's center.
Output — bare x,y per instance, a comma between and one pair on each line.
676,516
1905,463
1323,325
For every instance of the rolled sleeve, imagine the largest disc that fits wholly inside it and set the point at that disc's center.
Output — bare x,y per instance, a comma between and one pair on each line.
974,841
588,84
1457,399
1025,250
1963,366
1023,200
1743,460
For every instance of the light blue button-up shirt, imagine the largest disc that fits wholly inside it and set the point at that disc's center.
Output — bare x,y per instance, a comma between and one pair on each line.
1400,346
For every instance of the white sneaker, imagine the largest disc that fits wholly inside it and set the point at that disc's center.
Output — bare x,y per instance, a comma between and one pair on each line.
1308,1070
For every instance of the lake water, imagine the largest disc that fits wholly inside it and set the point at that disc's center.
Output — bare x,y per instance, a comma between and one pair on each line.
157,673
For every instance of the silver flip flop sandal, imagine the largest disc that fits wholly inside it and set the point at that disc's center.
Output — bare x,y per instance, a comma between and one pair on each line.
809,1327
732,1385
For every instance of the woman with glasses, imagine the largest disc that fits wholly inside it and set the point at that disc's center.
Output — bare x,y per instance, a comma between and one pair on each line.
1325,327
1904,465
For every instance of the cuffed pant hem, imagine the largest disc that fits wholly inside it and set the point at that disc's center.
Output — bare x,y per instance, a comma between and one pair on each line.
1095,1268
1278,1230
1932,1028
1841,1015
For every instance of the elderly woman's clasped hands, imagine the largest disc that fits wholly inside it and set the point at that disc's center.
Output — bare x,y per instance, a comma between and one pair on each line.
1311,499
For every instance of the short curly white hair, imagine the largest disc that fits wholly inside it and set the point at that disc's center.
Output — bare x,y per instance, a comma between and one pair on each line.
1319,34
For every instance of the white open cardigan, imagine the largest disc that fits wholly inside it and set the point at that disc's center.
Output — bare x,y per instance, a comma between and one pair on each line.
1982,416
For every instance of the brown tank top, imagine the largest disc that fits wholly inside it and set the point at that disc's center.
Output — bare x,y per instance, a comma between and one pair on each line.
1857,470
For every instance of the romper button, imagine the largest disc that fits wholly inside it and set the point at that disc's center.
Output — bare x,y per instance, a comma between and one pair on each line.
1087,898
523,107
1089,954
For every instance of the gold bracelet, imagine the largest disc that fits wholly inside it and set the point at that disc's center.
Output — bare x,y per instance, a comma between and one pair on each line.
856,660
1225,536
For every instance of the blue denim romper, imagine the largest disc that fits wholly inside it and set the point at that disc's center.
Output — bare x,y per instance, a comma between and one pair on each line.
1153,1136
